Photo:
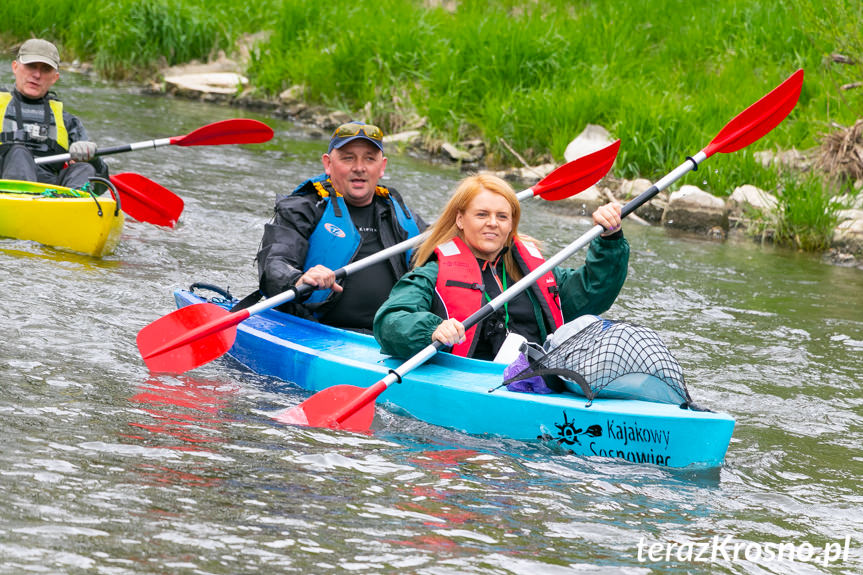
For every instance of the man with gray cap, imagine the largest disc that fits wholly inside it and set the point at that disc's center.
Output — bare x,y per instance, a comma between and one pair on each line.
34,124
331,220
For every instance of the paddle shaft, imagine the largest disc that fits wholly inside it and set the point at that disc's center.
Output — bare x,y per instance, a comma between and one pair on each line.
291,293
691,163
233,131
56,159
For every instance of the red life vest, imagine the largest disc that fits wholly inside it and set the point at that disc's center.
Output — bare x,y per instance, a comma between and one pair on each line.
459,284
546,285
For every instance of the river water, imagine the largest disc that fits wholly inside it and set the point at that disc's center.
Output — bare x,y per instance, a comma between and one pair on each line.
105,468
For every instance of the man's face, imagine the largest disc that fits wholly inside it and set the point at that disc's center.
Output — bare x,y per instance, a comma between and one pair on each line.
355,169
35,79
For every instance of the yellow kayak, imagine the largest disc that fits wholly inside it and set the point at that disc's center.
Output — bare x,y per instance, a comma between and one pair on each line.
60,217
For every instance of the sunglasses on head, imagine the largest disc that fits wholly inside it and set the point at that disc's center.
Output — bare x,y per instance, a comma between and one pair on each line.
354,128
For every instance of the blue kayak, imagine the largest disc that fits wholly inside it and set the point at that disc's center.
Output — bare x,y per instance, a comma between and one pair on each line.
453,392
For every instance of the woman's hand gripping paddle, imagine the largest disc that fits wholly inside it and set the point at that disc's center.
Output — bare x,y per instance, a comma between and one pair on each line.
352,408
197,334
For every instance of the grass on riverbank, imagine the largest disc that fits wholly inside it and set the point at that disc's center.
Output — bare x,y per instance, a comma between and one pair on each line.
805,216
662,77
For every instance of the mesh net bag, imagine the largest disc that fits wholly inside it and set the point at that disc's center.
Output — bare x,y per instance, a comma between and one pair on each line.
612,359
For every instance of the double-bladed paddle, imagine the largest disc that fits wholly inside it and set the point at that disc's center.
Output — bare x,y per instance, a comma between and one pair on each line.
147,201
233,131
194,335
352,408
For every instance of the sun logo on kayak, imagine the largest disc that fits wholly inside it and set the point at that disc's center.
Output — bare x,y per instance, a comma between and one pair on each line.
334,229
567,432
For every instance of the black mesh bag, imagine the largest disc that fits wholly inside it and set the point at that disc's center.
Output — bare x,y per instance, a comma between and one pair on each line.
612,359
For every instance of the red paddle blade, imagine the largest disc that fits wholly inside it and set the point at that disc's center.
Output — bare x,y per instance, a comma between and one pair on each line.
759,118
188,337
234,131
577,175
319,410
147,201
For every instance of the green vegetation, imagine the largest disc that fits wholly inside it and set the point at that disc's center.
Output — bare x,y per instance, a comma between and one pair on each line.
133,38
807,214
662,75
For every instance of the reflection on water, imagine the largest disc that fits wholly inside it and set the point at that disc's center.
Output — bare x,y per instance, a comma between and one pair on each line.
107,469
185,409
38,251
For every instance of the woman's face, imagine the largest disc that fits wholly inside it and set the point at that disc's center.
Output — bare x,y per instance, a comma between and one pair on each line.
485,224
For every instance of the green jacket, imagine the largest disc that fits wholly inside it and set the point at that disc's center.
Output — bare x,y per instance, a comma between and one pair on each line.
404,323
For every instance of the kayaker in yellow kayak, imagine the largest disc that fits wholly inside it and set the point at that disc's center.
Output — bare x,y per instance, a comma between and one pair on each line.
35,124
473,253
333,219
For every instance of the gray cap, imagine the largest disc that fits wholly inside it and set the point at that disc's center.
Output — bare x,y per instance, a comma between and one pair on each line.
36,50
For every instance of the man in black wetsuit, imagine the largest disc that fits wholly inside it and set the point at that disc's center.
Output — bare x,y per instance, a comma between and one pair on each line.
332,220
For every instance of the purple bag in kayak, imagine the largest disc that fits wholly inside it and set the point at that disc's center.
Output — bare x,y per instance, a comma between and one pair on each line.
533,384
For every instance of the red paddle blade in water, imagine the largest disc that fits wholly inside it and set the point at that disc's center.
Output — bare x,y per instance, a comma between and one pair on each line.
579,174
147,201
759,118
319,410
188,337
233,131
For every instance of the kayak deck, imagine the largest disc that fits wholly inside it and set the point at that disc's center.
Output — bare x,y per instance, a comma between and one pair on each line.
59,217
453,392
